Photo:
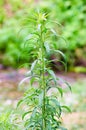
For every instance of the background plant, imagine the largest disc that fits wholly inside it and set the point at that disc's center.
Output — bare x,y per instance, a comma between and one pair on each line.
6,122
43,109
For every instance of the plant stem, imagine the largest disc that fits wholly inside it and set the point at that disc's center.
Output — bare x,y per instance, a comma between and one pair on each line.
43,82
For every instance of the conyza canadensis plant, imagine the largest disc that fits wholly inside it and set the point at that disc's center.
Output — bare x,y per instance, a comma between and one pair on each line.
43,106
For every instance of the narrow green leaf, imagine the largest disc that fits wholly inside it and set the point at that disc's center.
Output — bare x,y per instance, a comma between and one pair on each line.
33,65
28,73
66,107
54,32
55,101
19,102
22,81
60,90
28,37
46,45
39,27
57,23
30,125
32,81
25,114
40,99
56,60
53,75
34,112
61,53
68,85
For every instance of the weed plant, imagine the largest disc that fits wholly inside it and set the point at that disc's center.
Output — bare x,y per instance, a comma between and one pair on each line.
42,108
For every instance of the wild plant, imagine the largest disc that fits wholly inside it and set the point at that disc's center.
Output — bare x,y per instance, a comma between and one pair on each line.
42,107
6,122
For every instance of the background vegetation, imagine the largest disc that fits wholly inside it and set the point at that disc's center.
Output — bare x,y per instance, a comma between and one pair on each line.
71,16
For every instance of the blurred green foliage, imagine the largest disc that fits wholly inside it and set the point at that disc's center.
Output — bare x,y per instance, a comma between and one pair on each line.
70,14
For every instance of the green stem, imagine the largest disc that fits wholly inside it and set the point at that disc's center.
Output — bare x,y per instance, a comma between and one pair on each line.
43,82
